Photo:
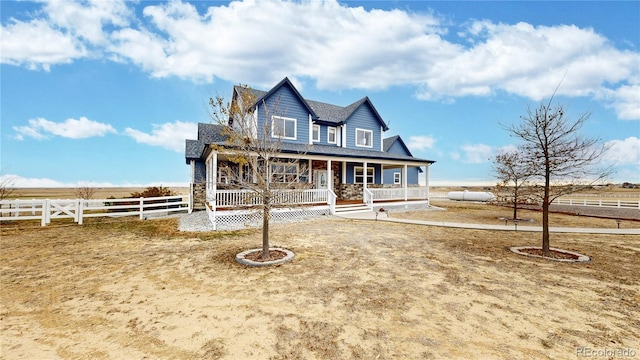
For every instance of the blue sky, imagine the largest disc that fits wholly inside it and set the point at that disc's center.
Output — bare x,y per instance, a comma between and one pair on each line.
104,93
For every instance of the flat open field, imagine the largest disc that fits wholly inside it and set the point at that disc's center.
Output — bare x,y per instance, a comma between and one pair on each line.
115,289
70,193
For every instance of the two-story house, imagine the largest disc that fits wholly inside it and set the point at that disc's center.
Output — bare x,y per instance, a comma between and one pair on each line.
337,151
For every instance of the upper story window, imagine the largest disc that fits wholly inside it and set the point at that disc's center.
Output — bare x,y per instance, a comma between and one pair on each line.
316,133
331,135
364,138
284,128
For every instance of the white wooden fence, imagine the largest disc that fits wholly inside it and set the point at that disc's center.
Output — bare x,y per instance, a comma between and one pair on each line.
77,209
621,204
412,193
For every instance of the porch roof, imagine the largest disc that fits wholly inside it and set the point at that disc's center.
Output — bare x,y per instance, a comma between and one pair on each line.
329,150
209,134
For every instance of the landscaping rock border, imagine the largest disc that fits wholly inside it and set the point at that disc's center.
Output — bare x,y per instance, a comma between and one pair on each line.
242,260
581,257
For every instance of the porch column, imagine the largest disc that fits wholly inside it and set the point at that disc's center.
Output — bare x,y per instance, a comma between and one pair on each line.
364,175
310,171
344,172
382,174
426,178
404,181
214,170
329,176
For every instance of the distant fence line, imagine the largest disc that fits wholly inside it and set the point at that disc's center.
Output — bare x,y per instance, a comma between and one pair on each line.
77,209
576,200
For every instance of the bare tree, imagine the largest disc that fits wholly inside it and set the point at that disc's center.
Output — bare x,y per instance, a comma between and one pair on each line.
559,159
85,192
513,174
7,188
254,156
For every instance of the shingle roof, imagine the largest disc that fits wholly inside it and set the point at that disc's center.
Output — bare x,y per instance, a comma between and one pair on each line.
214,134
320,111
388,142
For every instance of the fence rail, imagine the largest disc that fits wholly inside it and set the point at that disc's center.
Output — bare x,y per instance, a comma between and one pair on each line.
399,193
621,204
78,209
248,198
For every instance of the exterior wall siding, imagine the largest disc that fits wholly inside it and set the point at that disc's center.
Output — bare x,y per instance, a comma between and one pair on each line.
352,165
324,130
412,175
284,102
363,118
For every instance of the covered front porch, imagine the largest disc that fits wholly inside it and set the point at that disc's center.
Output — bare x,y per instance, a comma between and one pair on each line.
347,178
309,185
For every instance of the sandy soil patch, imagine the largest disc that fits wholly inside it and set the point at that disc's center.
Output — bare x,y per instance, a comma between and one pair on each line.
356,290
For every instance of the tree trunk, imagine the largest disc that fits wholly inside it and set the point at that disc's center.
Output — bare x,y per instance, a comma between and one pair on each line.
515,202
545,215
266,213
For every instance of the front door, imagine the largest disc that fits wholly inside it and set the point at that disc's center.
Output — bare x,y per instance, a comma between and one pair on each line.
320,177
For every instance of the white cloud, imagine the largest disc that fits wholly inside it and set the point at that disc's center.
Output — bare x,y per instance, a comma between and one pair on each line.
86,20
16,181
625,151
41,128
169,135
334,45
477,154
421,142
38,45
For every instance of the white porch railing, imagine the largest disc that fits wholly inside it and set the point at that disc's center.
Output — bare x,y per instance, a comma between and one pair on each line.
249,198
368,198
398,193
331,199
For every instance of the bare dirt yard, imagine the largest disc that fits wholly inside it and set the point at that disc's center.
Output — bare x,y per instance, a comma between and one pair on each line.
129,289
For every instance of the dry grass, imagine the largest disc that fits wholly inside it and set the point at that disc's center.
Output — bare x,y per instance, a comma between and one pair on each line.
124,288
70,193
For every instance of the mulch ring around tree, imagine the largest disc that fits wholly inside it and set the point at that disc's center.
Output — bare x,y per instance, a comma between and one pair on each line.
560,255
253,257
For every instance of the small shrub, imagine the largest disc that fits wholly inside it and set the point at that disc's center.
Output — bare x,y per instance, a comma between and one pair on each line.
153,191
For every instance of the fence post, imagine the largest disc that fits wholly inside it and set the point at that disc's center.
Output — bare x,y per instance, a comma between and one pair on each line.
80,211
16,212
45,212
141,208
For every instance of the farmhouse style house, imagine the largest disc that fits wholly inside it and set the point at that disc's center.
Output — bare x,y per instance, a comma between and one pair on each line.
338,153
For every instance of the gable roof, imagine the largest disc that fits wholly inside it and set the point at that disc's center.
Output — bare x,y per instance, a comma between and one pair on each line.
320,111
388,143
286,82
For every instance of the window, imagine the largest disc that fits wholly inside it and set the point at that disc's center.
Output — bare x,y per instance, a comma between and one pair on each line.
316,133
364,138
331,135
284,172
357,175
397,178
282,127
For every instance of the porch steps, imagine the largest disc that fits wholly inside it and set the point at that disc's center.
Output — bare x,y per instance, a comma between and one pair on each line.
351,208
